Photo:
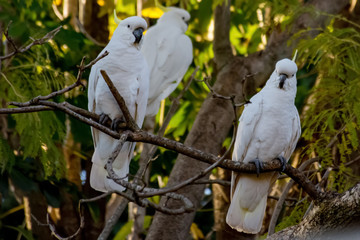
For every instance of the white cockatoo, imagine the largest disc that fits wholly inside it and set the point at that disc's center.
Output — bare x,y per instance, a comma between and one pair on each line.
129,72
269,128
168,52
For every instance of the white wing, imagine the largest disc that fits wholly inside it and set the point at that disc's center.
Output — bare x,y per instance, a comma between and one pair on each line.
296,132
92,84
169,54
142,96
247,123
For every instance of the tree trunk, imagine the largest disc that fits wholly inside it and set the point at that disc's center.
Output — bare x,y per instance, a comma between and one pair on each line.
73,161
94,223
216,115
35,205
69,221
70,8
337,218
93,24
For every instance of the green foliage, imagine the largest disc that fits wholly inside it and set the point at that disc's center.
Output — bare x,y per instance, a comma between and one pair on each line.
39,134
30,75
295,217
7,158
334,110
27,234
126,228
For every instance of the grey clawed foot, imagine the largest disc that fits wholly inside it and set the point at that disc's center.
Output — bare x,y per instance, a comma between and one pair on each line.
116,122
283,162
258,164
103,118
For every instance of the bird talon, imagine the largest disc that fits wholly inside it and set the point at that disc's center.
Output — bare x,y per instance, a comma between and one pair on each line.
258,165
283,162
116,122
103,118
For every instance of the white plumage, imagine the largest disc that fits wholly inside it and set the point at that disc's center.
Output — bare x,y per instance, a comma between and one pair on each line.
269,127
128,70
168,52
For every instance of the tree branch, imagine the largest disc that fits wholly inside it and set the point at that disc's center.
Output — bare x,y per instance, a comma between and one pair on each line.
131,124
142,136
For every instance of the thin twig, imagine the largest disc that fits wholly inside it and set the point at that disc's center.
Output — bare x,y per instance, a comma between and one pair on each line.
53,228
86,200
77,83
217,95
39,41
214,181
25,109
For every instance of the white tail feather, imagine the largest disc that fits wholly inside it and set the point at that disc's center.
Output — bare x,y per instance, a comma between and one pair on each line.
242,219
99,179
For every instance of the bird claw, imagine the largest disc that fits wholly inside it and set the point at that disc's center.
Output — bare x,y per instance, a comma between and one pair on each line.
103,118
258,164
116,122
283,162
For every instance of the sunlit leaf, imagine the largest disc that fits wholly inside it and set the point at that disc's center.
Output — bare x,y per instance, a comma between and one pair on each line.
152,12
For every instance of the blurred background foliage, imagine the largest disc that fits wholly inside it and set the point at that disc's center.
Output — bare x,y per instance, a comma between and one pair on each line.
37,150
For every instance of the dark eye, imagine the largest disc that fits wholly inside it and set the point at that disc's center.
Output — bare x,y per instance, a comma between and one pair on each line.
128,26
183,18
292,75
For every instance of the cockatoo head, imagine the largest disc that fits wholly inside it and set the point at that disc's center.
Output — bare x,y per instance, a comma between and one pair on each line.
131,30
285,73
176,16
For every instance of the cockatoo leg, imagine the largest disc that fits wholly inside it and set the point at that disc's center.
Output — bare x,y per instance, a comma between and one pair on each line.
258,164
283,162
103,118
118,123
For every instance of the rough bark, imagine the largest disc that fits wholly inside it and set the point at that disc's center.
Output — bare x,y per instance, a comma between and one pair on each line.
336,218
69,221
215,116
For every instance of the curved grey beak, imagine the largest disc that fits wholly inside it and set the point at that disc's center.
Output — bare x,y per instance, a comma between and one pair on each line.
138,33
282,78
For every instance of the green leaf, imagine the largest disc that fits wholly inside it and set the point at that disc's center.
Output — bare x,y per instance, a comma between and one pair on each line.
7,158
24,232
23,182
124,231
